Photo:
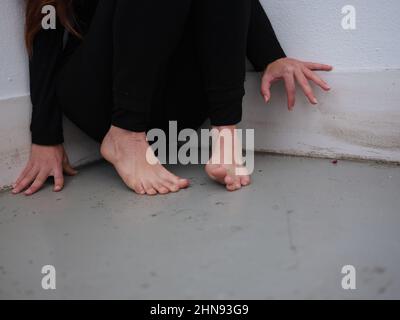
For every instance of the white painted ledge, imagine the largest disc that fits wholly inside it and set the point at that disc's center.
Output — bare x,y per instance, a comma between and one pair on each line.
358,119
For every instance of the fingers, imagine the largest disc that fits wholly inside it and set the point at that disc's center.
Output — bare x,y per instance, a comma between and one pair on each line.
290,90
317,80
38,183
26,180
23,174
318,66
266,83
302,80
68,169
44,161
58,180
292,70
38,177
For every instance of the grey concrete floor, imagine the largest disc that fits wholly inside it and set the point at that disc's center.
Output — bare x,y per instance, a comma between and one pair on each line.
286,236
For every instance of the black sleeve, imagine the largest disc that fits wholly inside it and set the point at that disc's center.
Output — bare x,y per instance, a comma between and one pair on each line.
46,120
263,46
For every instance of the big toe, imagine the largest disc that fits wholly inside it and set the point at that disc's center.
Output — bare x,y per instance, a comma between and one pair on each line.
217,173
183,183
232,183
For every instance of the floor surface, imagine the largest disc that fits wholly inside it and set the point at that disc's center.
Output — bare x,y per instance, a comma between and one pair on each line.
288,235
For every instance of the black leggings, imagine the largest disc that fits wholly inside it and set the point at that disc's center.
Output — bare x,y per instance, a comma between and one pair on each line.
144,63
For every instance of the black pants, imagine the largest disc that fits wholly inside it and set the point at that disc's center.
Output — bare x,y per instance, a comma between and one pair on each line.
144,63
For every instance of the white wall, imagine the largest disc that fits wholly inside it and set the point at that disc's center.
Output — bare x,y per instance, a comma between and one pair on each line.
13,65
360,117
311,29
365,95
307,29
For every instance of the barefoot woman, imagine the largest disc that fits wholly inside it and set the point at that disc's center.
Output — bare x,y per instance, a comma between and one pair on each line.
117,68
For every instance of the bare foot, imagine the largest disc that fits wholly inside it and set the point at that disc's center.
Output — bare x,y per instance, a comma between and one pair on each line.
126,150
224,165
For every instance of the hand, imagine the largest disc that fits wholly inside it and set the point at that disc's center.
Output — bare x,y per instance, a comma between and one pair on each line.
291,70
44,162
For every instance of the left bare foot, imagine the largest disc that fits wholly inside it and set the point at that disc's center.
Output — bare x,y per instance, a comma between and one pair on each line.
223,167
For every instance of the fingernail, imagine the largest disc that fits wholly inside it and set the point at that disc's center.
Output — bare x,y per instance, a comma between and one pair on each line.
57,188
315,100
266,98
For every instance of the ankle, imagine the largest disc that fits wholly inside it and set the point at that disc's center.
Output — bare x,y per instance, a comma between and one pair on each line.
117,133
220,128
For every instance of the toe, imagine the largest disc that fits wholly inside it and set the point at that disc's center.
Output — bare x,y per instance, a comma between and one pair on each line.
183,183
217,173
151,191
174,182
231,187
245,180
161,189
138,188
232,183
148,187
172,187
229,180
238,185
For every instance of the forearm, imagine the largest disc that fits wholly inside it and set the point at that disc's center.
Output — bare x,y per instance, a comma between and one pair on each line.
46,120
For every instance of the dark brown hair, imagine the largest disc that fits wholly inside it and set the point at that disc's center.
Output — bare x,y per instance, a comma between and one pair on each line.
34,16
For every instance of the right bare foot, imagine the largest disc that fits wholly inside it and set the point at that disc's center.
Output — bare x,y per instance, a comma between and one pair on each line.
126,150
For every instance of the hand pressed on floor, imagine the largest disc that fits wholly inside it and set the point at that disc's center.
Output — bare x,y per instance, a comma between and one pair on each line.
44,162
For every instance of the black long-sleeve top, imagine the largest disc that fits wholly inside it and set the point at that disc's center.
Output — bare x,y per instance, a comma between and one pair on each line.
48,53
